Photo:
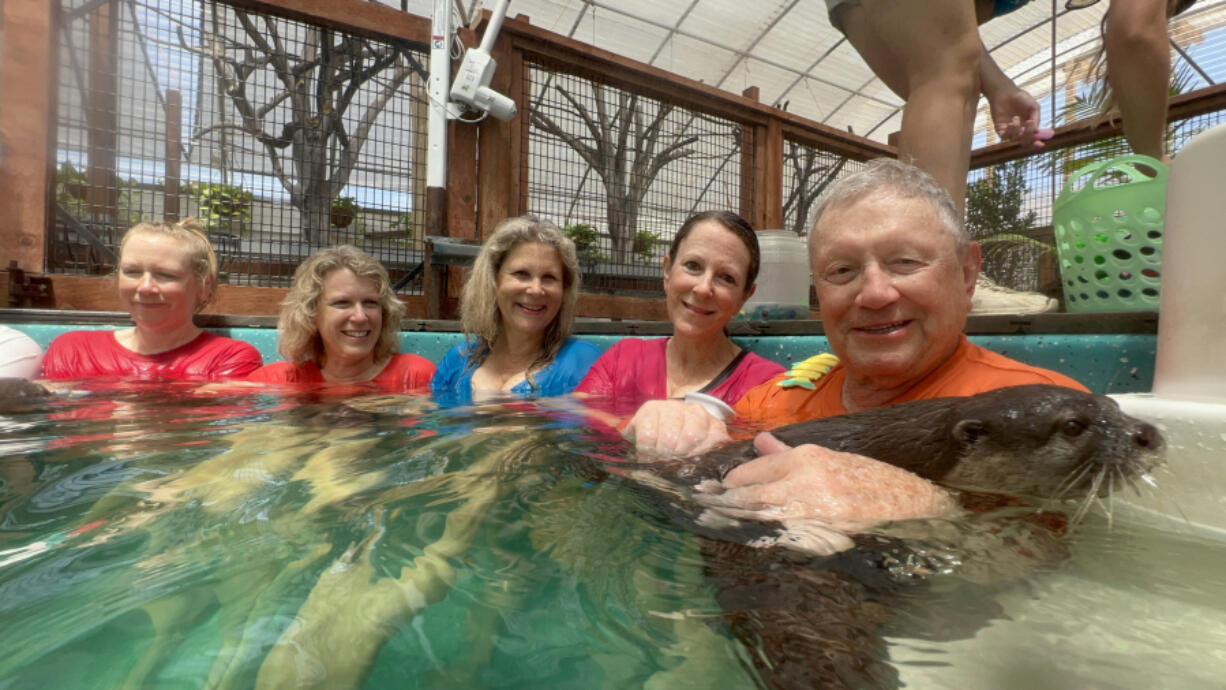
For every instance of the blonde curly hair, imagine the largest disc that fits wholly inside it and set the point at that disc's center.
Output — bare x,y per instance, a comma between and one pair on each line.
299,336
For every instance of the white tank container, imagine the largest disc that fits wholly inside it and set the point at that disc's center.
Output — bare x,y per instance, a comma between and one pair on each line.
1192,312
783,279
1188,403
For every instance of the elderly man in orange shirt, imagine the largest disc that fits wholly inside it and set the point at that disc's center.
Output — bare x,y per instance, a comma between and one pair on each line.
894,271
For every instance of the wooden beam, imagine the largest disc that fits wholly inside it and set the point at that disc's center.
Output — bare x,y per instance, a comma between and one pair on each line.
362,17
27,63
621,308
571,55
102,115
1183,106
520,91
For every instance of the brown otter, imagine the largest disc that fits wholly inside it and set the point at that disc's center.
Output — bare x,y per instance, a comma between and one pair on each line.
19,395
817,622
1035,440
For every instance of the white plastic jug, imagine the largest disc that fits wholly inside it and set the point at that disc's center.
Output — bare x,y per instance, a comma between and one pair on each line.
783,279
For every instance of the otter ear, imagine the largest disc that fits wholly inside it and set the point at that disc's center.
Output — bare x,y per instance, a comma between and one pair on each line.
969,431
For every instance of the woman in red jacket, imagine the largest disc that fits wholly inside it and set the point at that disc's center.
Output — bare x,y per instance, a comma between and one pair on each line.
340,323
167,272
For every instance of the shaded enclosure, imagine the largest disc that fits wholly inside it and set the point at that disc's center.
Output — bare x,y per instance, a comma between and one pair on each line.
287,133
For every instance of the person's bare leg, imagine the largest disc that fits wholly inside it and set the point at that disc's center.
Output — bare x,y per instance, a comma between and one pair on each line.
928,53
1139,71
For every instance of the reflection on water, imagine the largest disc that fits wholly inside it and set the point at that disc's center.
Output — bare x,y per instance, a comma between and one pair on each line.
156,535
151,535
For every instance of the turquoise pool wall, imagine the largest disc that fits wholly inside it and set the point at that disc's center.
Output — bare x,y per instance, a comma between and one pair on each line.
1104,362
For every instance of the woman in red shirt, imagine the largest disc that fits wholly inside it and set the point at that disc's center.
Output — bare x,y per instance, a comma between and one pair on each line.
167,272
340,323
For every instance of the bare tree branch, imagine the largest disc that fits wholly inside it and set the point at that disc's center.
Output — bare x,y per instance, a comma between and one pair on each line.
627,150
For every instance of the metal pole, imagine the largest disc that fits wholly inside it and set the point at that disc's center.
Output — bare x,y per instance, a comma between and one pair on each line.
437,88
491,31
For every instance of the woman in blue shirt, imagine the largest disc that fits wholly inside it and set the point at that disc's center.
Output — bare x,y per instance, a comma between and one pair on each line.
517,309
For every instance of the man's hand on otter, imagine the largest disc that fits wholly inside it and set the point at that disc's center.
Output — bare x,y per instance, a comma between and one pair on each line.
673,428
843,490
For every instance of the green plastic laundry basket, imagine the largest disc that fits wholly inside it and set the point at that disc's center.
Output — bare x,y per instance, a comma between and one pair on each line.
1108,223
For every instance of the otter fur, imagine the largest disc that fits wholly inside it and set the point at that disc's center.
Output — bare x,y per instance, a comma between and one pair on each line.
816,621
1035,440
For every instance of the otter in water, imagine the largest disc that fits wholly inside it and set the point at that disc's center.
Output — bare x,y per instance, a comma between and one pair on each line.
1035,440
816,621
20,395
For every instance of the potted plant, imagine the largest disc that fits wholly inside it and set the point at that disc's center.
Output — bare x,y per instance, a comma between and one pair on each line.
645,243
585,238
403,225
72,188
71,182
344,211
224,208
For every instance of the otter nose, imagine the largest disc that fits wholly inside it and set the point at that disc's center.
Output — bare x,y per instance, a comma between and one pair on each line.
1147,436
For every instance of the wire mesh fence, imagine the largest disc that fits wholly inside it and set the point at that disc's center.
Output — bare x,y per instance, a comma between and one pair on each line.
284,136
280,136
807,173
621,171
1009,206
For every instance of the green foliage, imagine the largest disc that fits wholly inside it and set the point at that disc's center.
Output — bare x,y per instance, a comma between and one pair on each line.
72,187
1095,102
346,203
995,219
404,224
586,241
223,207
994,202
344,210
645,243
69,182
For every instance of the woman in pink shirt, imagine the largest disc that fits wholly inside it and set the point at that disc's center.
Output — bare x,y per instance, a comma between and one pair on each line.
708,274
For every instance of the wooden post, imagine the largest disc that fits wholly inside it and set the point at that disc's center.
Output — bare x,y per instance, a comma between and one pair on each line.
174,141
420,113
520,91
461,201
100,116
27,63
461,188
498,179
771,169
749,174
431,276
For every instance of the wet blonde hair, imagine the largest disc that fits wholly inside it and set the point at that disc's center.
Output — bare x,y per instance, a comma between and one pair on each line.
480,318
201,258
299,336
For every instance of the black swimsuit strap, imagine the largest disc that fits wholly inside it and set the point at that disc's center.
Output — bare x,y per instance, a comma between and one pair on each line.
723,375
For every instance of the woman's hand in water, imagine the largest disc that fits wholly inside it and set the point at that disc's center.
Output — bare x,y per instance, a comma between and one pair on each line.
846,491
673,428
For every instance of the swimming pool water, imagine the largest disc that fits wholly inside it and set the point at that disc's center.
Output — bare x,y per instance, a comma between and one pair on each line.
161,535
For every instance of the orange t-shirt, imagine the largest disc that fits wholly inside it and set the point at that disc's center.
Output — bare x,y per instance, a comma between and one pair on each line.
971,369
